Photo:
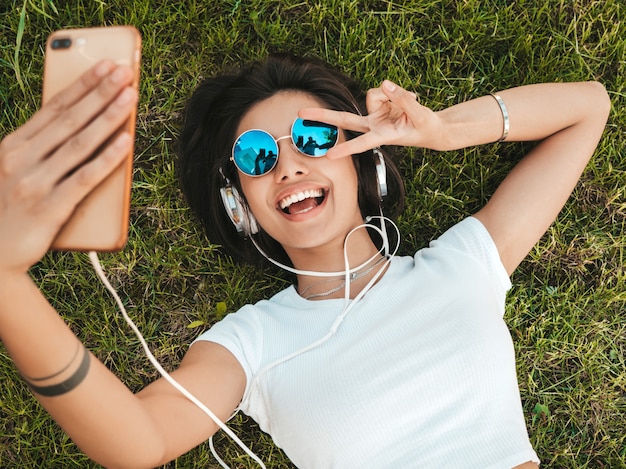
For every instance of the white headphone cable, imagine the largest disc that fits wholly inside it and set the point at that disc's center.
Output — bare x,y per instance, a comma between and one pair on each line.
313,273
93,256
348,305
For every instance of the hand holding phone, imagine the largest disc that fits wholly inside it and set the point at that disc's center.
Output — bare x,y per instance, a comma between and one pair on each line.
100,221
46,165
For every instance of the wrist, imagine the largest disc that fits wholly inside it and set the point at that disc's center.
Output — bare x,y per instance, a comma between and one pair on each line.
14,285
446,136
505,116
475,122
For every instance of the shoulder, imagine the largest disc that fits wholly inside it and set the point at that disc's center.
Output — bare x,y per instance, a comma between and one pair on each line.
469,243
468,235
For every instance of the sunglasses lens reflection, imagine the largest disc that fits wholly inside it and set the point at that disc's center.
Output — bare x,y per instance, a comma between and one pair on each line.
255,152
313,138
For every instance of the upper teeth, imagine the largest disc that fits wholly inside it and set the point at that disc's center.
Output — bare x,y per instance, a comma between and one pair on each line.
297,197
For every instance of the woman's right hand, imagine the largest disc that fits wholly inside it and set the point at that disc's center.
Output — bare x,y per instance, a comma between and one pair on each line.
36,195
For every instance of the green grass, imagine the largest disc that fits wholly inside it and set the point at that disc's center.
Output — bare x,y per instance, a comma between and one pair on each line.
567,308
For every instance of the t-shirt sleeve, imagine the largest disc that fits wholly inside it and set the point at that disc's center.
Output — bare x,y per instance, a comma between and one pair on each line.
472,238
240,333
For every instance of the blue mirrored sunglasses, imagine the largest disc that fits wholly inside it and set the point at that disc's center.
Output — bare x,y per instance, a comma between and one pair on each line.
255,152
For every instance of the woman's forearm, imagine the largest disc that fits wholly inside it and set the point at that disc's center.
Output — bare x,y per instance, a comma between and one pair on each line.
535,112
100,413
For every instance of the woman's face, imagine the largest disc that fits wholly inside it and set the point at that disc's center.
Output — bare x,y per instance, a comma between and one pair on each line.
303,202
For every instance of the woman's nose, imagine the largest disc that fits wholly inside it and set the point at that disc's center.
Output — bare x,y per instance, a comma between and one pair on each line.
291,163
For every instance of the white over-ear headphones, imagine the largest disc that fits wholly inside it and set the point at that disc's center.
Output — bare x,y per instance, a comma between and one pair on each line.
381,173
244,220
237,210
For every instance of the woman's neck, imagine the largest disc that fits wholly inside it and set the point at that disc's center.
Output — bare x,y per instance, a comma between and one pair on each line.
361,251
335,287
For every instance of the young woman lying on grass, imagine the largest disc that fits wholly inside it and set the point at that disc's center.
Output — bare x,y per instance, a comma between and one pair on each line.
367,360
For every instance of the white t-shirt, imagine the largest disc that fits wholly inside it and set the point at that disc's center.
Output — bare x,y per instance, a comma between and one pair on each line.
420,374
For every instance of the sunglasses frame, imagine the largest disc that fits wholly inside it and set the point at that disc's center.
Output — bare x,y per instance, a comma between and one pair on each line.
276,140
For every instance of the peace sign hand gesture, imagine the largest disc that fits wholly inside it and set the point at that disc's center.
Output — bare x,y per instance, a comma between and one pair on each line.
395,117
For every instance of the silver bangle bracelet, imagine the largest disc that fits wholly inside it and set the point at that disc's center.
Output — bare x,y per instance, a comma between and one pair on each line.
505,116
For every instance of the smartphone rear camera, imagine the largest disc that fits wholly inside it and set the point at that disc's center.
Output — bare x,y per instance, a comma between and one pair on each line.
63,43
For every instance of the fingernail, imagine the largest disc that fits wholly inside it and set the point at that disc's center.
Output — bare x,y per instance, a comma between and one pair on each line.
389,86
125,96
103,68
122,140
118,75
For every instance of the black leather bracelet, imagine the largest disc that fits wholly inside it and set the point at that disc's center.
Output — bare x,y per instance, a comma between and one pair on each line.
67,385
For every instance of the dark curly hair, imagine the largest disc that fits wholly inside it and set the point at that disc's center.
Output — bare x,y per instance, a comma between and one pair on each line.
211,119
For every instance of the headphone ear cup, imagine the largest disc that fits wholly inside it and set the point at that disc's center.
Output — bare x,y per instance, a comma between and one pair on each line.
381,173
237,211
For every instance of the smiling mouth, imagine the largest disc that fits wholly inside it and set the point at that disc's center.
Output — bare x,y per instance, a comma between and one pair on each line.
302,202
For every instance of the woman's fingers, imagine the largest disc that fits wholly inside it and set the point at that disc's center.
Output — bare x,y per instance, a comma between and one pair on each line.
395,117
71,127
357,145
391,90
75,187
374,99
65,115
69,120
343,120
62,101
54,160
29,219
83,145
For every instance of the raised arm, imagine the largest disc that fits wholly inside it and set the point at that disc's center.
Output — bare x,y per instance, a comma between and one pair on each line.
108,422
568,120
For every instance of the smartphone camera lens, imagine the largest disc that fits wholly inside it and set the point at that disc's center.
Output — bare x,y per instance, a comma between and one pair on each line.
63,43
